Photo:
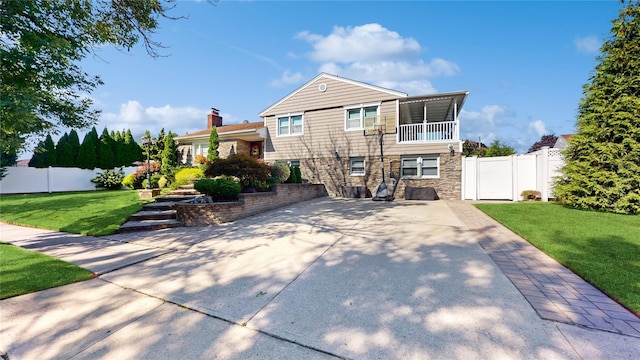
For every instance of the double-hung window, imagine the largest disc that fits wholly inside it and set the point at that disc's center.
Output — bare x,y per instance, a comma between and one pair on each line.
355,115
425,166
290,124
356,166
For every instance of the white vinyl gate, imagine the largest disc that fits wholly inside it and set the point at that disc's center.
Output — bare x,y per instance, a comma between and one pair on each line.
505,177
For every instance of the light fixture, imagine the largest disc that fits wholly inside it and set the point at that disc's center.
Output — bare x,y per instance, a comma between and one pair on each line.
452,150
336,154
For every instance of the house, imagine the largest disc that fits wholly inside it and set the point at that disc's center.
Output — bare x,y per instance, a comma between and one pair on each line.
246,138
330,125
563,141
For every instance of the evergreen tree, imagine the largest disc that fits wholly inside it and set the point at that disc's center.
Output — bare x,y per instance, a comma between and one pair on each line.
147,148
87,158
38,160
169,154
602,170
6,160
49,152
157,148
74,142
214,144
64,153
122,152
95,139
107,159
134,151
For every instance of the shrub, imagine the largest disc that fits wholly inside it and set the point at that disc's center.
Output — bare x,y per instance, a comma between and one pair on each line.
187,175
219,188
280,172
129,181
530,194
296,176
155,178
201,159
162,182
248,170
112,180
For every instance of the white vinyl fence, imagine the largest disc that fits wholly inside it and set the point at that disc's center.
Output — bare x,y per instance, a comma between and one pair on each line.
505,177
23,180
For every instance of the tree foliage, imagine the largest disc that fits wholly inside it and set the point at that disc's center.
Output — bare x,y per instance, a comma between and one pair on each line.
471,148
545,140
214,144
169,154
602,170
87,158
41,83
496,148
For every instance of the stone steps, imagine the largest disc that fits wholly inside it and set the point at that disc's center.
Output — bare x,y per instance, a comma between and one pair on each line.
161,213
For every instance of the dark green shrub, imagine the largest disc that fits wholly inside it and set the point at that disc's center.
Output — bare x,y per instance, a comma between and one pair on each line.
296,176
249,171
112,180
218,188
155,178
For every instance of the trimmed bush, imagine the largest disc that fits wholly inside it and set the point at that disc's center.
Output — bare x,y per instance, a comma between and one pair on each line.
162,183
187,175
112,180
220,188
251,173
296,176
129,181
280,172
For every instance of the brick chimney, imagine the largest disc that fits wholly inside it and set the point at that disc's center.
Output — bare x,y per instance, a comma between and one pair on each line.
213,119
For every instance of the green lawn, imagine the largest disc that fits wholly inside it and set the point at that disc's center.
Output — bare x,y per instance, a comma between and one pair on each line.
23,271
88,213
603,248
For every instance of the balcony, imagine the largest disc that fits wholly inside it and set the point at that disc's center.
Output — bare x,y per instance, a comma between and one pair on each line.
428,132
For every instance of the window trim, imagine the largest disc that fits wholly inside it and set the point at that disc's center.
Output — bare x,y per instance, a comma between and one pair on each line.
419,162
290,124
364,166
361,107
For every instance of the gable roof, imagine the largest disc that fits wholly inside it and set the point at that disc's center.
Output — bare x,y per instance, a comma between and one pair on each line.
225,129
336,78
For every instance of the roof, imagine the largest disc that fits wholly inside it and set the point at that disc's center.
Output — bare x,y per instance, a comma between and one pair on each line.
337,78
441,105
225,129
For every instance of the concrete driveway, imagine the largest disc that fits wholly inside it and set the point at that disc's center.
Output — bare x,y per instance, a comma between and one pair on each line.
328,278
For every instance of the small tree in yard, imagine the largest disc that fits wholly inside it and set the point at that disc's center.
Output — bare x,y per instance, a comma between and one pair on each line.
214,144
496,148
545,140
602,170
169,153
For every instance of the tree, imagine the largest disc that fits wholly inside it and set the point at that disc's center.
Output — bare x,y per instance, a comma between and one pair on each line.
602,170
496,148
64,153
106,159
471,148
157,147
545,140
214,144
169,154
5,161
134,151
41,45
74,141
87,158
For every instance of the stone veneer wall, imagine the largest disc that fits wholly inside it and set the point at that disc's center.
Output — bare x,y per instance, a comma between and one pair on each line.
247,204
334,173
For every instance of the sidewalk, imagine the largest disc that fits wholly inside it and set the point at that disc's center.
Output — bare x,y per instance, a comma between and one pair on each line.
328,278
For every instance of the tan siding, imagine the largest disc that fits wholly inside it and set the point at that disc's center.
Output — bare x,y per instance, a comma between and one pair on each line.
338,94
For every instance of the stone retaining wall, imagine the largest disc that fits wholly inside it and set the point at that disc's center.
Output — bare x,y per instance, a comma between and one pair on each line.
247,204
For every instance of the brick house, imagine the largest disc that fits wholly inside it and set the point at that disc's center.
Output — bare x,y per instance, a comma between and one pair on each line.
246,138
329,125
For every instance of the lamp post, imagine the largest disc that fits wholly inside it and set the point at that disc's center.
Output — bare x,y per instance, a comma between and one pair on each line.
146,140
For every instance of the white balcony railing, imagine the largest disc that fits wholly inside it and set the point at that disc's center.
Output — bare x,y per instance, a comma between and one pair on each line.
428,132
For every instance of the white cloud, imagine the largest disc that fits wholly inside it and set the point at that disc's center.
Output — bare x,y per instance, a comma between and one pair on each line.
538,127
134,116
369,41
588,44
484,124
376,55
288,78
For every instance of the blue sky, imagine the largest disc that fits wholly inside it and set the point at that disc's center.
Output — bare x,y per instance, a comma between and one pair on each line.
524,63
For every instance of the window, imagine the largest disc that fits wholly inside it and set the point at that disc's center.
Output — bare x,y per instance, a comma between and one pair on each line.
426,166
356,166
354,116
289,124
293,163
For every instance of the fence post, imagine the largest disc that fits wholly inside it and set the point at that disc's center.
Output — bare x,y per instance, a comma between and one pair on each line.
49,180
514,178
545,174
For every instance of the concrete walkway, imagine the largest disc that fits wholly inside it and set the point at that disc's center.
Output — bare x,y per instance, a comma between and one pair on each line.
328,278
